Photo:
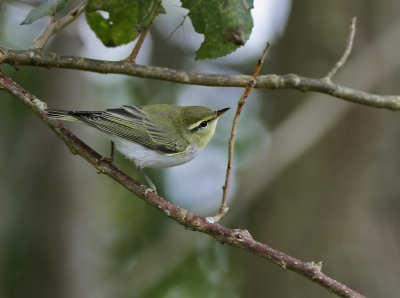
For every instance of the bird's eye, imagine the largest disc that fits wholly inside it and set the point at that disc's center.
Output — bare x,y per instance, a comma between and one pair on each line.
203,124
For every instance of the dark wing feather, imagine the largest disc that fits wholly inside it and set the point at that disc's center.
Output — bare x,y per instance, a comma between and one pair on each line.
134,124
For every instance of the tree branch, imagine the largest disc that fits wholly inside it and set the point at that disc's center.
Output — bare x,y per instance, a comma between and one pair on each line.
234,237
223,209
55,26
346,52
272,81
154,12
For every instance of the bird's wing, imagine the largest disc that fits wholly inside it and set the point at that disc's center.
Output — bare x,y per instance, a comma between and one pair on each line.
134,124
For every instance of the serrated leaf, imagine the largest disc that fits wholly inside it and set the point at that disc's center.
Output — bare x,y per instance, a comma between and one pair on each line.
44,9
226,25
118,22
162,10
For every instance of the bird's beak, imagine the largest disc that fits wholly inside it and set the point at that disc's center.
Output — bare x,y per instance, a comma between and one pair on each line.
220,112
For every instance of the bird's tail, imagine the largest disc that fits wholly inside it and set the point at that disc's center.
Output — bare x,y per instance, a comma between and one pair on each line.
62,115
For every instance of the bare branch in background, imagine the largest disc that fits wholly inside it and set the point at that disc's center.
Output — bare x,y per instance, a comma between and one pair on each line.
234,237
272,81
346,53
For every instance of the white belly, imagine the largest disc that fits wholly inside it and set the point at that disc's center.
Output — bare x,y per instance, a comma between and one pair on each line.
144,157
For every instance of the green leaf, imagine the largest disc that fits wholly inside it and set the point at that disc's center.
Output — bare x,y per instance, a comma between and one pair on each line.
118,22
44,9
226,25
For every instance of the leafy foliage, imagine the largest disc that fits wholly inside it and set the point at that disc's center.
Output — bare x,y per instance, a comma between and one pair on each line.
47,8
226,25
118,22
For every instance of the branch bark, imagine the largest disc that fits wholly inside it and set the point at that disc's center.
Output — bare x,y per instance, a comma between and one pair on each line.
346,52
223,209
287,81
56,25
132,57
234,237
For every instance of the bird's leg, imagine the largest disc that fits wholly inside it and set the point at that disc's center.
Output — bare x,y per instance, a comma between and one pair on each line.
112,151
111,158
151,184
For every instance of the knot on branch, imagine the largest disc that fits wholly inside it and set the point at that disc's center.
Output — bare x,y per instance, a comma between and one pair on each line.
292,80
241,235
313,266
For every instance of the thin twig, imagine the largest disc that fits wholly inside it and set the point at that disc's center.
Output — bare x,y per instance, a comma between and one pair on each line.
55,26
177,27
234,237
132,57
223,209
346,53
53,15
288,81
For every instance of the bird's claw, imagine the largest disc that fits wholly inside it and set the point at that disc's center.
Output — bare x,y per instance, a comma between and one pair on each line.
149,190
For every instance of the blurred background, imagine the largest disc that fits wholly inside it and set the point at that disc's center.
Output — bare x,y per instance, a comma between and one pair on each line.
315,176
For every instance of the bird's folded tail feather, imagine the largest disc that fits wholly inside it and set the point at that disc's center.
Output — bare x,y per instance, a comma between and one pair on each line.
61,114
68,115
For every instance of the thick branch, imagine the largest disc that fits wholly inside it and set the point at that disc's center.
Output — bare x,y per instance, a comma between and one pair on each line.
288,81
234,237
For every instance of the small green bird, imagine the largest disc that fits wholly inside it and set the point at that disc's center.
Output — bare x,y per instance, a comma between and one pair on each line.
152,136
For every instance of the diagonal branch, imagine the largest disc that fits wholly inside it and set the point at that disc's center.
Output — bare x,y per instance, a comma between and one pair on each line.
234,237
155,9
56,25
288,81
346,52
250,85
